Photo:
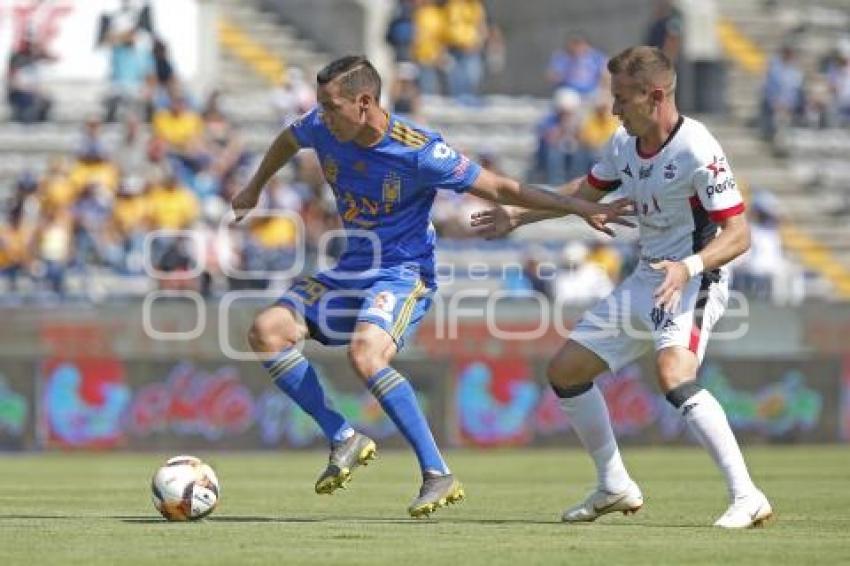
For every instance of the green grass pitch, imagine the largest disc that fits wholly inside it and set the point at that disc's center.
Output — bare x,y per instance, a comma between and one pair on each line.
95,509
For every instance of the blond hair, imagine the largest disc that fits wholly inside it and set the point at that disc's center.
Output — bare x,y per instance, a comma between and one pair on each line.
649,65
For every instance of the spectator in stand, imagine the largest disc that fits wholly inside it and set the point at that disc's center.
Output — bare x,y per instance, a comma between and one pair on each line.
53,243
28,101
14,247
838,78
92,214
782,99
162,77
181,128
93,167
56,188
578,66
225,147
292,97
763,272
130,65
405,95
429,46
172,206
665,31
558,156
91,139
466,34
608,259
596,129
130,223
26,198
579,282
178,258
400,30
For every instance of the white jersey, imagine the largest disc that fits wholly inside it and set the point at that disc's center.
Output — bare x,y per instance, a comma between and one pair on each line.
680,192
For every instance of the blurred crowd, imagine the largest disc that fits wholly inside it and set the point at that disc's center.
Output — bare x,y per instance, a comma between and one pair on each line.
180,158
801,93
445,46
174,169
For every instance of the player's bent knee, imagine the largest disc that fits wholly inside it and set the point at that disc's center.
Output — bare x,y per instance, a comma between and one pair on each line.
674,367
275,329
574,365
365,359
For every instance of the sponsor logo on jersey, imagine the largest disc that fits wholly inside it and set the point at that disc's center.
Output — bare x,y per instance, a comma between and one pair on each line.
645,172
727,185
442,151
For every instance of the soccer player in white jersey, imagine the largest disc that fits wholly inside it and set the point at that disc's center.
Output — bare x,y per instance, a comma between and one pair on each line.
691,224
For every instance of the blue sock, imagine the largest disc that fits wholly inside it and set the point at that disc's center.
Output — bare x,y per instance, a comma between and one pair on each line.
294,375
398,400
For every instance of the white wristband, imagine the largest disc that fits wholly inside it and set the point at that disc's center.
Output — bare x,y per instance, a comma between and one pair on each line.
694,264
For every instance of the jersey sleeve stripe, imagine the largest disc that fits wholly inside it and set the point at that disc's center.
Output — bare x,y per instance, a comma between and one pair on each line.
602,184
720,215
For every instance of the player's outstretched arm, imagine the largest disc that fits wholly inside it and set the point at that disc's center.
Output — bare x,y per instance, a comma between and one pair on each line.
733,240
499,221
279,153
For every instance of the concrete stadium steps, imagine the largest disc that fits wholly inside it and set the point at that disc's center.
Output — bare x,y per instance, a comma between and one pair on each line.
279,40
815,235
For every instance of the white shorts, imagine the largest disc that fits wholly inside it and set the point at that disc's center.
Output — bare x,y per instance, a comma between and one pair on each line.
621,327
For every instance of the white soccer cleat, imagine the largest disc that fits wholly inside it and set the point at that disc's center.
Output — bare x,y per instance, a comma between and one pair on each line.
602,502
749,511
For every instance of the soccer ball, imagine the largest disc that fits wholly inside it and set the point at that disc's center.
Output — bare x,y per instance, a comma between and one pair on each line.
185,489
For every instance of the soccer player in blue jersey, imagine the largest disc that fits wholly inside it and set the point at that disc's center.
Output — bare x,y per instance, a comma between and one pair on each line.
384,172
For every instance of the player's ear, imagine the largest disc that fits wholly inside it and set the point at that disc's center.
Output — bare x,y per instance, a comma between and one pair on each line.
364,101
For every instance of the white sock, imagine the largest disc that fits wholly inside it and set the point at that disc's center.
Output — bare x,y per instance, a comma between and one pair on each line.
588,415
706,419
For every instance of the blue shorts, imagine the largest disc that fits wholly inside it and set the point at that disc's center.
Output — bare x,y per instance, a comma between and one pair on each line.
394,298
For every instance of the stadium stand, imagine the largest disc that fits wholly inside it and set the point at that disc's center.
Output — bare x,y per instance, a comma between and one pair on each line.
257,50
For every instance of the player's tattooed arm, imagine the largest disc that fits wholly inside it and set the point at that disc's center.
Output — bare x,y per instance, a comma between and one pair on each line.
282,149
499,221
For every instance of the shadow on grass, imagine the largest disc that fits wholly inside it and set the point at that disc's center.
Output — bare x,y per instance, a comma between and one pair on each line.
150,520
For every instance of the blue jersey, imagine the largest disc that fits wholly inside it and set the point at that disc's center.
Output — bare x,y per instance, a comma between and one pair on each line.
387,189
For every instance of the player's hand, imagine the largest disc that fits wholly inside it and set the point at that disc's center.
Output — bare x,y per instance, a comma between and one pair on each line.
244,202
668,295
598,216
494,223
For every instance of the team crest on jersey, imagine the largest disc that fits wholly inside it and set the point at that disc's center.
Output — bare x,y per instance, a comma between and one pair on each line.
383,306
391,189
331,169
670,171
360,166
628,171
645,172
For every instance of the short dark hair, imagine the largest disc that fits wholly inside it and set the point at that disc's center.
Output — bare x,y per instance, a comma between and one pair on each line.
357,74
